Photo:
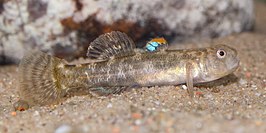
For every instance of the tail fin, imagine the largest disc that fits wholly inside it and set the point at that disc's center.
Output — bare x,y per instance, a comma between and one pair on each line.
40,79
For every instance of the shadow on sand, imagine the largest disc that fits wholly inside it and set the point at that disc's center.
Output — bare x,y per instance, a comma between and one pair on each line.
224,81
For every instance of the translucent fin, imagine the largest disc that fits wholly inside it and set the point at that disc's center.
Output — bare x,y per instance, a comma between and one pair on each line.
113,44
156,44
104,91
189,79
39,76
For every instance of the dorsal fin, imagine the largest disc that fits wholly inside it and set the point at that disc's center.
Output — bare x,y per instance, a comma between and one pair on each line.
156,44
113,44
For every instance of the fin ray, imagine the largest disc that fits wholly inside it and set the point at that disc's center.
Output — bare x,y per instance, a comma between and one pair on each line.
104,91
113,44
37,75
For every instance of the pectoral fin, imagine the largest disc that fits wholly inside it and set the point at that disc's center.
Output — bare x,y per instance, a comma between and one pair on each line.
189,79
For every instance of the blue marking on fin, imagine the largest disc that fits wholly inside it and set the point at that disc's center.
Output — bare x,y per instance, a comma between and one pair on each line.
155,44
150,48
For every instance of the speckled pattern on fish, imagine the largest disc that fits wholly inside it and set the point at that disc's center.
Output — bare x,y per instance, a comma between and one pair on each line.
119,66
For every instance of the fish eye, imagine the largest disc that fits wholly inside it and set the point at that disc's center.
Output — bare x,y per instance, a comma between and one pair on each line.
221,53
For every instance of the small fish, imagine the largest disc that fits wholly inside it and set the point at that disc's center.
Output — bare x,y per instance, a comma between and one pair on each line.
155,44
45,79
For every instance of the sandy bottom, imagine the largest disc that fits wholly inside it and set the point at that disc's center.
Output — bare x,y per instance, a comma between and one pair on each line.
236,103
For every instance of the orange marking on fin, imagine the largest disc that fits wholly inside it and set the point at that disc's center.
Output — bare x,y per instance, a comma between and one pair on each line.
159,40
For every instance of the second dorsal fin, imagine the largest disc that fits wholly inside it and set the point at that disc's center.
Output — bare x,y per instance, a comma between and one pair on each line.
156,44
113,44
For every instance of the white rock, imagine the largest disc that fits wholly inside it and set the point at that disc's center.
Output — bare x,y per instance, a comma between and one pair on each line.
64,129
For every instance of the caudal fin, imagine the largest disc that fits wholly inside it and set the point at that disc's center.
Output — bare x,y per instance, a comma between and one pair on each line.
40,78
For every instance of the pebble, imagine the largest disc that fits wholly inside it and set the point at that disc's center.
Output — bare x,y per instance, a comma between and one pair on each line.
13,113
184,87
109,105
235,98
258,123
138,122
64,129
242,82
157,103
116,130
199,125
136,115
36,113
248,74
21,105
254,86
258,94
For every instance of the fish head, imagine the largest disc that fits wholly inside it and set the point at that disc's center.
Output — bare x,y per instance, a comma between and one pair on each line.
221,60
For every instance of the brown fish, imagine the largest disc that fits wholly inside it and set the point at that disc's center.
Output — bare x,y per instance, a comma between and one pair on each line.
45,79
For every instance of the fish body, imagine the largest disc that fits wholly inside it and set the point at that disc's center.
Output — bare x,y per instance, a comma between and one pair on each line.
45,79
144,69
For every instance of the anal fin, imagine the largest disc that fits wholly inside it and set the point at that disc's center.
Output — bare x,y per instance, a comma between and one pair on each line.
105,91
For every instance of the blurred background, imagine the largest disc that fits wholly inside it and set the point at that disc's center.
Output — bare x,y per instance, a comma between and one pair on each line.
65,28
